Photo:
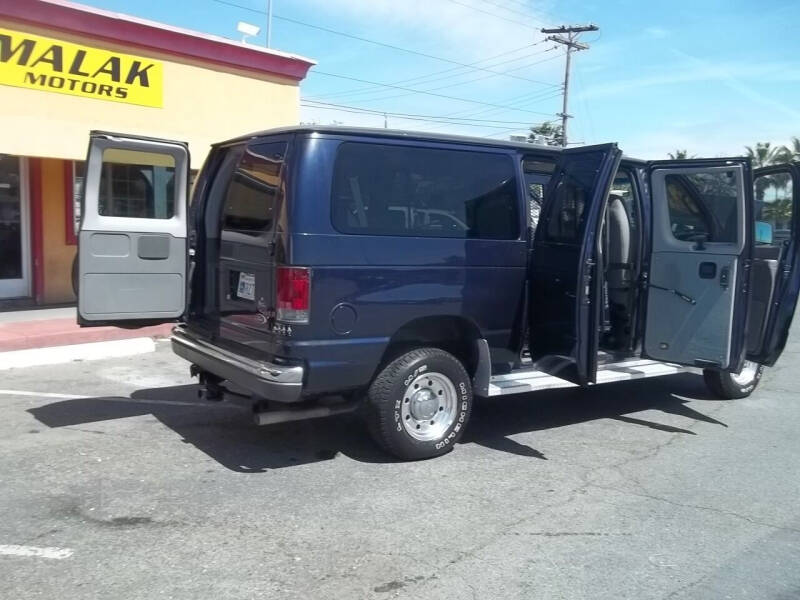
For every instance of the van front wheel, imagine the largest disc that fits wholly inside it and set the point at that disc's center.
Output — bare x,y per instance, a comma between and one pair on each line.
419,404
731,386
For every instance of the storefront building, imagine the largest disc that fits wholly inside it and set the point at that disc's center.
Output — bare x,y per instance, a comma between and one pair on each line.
67,69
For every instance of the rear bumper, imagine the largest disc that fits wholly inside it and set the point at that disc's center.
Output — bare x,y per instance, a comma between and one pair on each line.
281,383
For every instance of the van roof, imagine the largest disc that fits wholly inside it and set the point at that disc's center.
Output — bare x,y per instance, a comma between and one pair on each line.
394,134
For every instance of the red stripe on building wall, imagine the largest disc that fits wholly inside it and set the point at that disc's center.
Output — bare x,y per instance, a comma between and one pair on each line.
69,203
37,244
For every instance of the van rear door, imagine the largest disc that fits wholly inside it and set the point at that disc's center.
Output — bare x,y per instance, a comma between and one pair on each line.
565,291
699,266
775,281
246,201
132,241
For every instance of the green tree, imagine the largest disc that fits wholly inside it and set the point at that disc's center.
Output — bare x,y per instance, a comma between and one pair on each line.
552,133
764,154
680,155
790,152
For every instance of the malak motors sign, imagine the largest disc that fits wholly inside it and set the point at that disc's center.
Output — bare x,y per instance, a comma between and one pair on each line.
42,63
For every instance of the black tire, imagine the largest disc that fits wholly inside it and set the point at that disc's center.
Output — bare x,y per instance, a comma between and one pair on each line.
731,387
388,399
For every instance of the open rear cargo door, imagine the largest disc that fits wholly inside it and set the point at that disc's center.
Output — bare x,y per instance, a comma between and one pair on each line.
132,252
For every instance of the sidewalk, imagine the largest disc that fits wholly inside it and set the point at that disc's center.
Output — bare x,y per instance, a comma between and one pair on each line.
45,328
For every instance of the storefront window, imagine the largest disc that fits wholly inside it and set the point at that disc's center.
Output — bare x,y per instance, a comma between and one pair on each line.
10,219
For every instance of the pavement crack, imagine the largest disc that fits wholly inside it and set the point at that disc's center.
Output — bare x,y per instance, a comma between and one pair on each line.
713,509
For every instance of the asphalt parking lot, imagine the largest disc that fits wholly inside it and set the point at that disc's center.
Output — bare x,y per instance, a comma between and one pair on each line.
129,487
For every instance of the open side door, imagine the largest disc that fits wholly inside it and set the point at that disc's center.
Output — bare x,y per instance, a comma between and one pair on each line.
132,242
565,289
699,271
775,280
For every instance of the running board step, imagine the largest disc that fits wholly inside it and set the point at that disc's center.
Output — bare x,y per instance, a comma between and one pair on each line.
531,380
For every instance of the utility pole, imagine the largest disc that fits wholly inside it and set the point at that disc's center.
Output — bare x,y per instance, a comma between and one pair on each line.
269,23
571,42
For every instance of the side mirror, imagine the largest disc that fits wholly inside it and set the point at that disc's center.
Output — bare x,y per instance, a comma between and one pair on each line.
699,240
763,232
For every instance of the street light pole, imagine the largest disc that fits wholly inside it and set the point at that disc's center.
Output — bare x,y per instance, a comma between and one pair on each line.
269,23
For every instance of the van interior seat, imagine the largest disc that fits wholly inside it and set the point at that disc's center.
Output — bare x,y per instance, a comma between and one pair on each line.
618,252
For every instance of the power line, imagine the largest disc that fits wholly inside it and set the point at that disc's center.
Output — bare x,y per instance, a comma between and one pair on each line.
491,14
406,89
375,42
391,97
401,49
349,108
359,91
572,44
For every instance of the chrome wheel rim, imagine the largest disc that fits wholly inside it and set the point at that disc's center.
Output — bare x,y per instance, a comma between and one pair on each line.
747,374
428,407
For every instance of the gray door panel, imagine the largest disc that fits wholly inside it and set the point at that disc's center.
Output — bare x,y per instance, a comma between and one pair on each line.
700,240
132,246
681,332
118,283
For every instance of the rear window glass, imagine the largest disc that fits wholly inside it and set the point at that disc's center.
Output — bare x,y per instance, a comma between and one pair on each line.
703,204
135,184
250,202
401,190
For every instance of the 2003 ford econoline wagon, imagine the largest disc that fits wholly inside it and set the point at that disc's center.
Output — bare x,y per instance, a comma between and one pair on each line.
322,270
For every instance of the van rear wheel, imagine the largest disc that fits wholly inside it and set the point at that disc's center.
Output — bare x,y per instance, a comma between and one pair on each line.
419,404
731,386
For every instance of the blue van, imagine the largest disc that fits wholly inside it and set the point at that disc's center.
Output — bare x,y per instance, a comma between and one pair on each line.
320,270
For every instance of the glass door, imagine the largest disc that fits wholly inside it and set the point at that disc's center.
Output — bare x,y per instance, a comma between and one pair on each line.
14,220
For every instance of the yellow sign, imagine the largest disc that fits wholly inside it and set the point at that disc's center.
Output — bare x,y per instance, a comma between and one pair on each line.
42,63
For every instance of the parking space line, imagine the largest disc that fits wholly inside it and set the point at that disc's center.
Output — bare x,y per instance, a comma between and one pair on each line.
35,551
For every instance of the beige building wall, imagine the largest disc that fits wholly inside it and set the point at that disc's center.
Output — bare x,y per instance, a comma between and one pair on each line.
202,104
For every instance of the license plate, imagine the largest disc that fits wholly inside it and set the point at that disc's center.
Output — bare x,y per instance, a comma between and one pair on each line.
247,286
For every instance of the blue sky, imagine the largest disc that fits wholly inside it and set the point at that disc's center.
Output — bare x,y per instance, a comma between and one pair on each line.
706,75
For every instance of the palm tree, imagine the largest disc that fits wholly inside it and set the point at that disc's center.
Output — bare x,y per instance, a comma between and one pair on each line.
680,155
791,152
764,154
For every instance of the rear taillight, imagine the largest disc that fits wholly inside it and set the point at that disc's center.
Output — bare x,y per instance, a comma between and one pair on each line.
293,294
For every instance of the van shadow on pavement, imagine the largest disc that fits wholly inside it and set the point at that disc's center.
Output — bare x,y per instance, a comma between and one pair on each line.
226,433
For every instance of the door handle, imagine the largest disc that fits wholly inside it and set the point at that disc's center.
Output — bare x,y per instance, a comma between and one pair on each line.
724,277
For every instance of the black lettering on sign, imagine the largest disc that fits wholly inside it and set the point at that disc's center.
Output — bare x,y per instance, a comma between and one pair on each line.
88,87
53,55
121,93
77,62
35,79
105,90
25,49
56,82
137,72
110,68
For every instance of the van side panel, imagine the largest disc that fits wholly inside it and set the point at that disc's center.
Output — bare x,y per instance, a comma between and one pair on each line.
366,287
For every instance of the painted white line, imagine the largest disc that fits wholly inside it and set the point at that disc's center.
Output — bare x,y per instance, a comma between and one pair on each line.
40,395
35,551
117,399
57,355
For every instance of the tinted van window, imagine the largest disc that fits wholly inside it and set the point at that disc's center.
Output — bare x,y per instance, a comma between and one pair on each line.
703,204
250,202
401,190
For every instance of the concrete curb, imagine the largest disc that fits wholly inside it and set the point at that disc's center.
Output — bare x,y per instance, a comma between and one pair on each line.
56,355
